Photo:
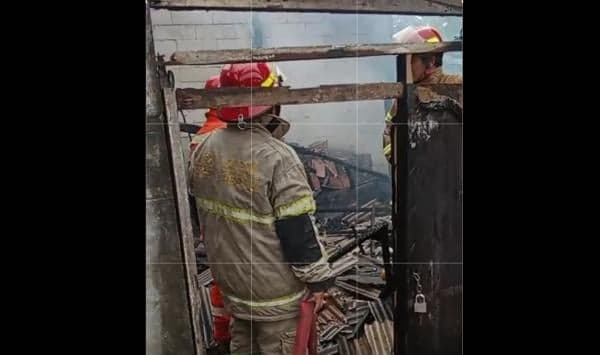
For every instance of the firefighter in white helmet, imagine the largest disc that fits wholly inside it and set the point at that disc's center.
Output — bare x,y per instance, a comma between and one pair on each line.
426,69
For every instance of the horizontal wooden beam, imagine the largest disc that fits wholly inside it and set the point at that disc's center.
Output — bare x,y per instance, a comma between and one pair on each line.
188,99
407,7
307,53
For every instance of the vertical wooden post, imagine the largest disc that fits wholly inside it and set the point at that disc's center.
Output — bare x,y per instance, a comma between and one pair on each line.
399,138
168,320
185,215
434,229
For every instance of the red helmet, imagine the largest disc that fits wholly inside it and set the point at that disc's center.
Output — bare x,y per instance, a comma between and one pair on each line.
258,74
212,121
213,82
424,34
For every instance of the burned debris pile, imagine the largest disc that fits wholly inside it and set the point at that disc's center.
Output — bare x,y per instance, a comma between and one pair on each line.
346,189
353,215
357,319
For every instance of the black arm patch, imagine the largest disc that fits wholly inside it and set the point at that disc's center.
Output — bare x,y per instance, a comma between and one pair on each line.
321,286
298,240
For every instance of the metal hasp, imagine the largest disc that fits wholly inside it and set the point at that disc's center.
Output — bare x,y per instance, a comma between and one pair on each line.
168,319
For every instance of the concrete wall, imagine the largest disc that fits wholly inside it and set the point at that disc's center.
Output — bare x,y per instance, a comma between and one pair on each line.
350,125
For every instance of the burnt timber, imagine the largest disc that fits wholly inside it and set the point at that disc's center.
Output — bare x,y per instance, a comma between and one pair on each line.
282,54
189,99
405,7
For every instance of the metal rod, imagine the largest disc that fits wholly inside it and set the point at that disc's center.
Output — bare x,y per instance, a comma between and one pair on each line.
334,210
379,231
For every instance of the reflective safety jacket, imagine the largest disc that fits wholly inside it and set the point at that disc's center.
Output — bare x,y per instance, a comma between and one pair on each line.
243,181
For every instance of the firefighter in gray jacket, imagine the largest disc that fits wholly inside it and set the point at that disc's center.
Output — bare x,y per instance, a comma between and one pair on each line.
256,210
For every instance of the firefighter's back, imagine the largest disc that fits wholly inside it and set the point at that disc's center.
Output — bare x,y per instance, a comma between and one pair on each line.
232,177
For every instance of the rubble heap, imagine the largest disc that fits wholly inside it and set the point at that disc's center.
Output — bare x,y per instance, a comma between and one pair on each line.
356,319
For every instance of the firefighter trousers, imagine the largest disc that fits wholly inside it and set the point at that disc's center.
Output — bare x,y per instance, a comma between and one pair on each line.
264,338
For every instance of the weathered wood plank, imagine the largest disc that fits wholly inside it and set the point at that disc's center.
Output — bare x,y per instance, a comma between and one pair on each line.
183,212
400,210
169,326
408,7
281,54
188,99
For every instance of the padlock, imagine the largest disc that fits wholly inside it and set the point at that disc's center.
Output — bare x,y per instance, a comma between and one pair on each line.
420,304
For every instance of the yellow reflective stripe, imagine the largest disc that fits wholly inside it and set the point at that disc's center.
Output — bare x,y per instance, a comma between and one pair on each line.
389,116
240,215
433,40
305,204
387,150
270,80
270,303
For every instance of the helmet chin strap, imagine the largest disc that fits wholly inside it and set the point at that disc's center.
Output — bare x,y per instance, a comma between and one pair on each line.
277,126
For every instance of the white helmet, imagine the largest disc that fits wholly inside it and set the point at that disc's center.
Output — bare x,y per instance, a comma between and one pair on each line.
423,34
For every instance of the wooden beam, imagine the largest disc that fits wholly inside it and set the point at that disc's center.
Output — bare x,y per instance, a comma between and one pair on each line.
188,99
405,7
178,166
170,326
307,53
